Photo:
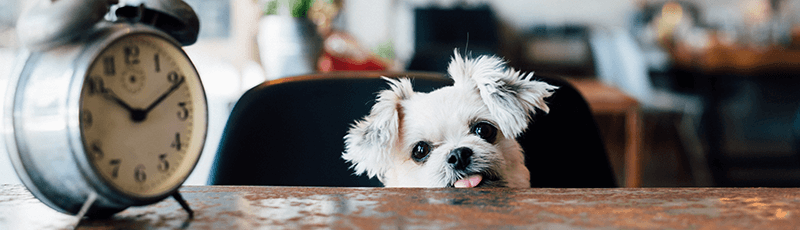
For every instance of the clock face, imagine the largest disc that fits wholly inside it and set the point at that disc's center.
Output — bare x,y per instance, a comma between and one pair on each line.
143,115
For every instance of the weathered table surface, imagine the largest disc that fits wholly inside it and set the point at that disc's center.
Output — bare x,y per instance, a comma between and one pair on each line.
257,207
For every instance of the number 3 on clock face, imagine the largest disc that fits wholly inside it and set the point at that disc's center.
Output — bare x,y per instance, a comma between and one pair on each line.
143,115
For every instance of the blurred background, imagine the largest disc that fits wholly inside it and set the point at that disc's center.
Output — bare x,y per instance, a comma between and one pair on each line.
713,82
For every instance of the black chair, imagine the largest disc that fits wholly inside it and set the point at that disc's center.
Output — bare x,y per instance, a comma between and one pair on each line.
290,132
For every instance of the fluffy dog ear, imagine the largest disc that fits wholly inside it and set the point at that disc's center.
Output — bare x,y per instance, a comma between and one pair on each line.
369,142
510,95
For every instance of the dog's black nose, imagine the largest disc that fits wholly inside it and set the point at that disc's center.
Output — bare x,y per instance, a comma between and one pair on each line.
460,158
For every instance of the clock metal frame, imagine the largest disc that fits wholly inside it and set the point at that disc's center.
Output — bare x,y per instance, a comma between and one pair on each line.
42,124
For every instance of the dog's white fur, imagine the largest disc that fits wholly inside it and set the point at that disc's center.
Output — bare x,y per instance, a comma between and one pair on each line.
484,89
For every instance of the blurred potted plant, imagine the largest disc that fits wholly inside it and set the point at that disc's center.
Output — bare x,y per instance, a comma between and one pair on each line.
288,41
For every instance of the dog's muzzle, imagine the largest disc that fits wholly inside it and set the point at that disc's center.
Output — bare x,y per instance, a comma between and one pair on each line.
460,158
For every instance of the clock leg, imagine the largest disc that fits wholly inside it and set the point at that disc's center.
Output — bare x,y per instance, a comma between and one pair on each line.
85,208
182,202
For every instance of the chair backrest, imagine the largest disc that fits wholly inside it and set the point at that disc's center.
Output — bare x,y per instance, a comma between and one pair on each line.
291,132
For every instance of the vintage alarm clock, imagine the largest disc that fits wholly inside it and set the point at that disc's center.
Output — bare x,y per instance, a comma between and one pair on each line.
105,110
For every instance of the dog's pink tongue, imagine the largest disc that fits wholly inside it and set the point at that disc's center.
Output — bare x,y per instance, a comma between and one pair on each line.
468,182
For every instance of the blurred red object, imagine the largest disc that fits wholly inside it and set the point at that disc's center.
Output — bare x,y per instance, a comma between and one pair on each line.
328,62
341,51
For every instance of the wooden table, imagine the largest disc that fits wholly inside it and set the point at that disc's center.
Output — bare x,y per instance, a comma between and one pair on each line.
608,100
722,58
218,207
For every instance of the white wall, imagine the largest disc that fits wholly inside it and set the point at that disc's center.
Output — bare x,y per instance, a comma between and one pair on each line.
607,13
377,22
7,174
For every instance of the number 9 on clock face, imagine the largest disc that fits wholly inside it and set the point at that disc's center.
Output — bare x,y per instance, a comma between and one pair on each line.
143,115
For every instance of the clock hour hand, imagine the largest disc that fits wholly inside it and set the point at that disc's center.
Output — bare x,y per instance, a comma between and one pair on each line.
164,96
108,94
137,115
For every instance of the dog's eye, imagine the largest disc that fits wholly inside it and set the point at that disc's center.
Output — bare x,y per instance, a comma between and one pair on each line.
485,130
420,151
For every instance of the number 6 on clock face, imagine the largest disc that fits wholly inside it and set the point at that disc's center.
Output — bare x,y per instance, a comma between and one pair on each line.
142,109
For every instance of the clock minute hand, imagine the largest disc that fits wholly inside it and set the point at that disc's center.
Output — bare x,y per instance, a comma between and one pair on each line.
164,96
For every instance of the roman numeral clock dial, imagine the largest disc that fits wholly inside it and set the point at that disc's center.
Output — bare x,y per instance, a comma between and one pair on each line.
142,110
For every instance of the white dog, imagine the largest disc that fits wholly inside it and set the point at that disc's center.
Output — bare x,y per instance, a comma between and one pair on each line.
456,136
